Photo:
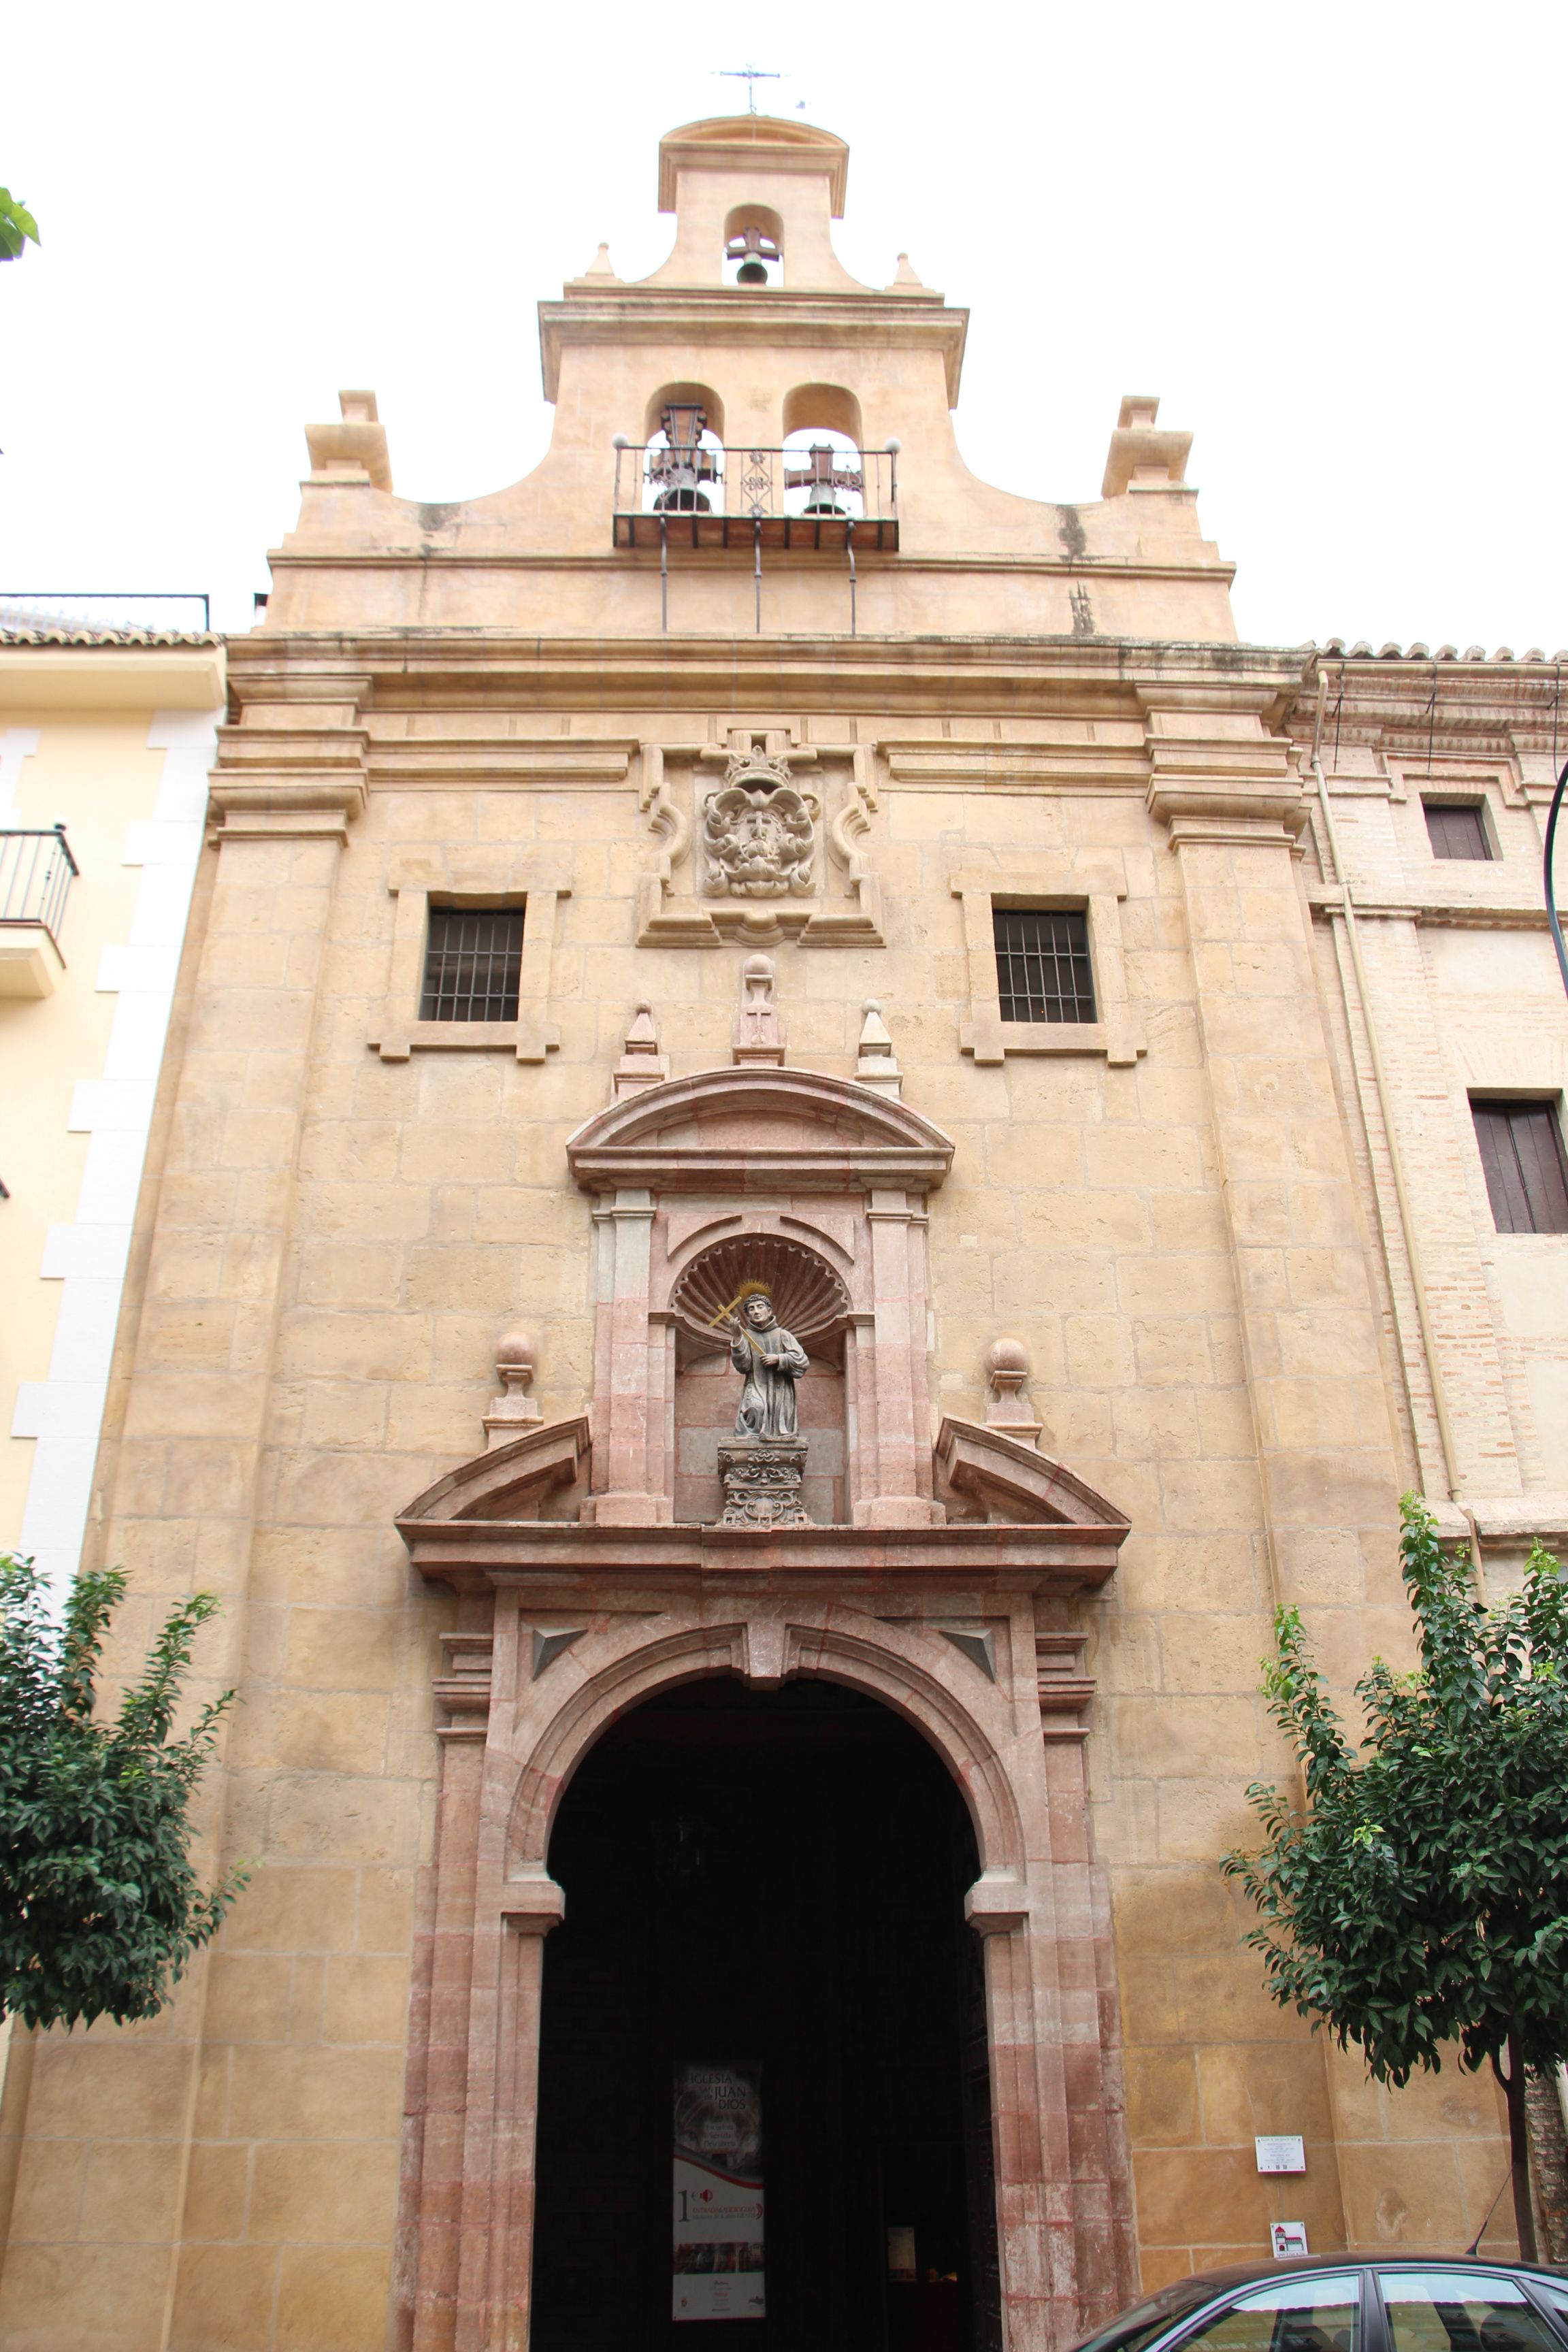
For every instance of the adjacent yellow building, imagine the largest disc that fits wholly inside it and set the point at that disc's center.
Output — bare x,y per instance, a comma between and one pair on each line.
107,734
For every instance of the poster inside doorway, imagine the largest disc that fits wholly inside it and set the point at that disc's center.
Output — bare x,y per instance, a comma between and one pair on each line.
718,2203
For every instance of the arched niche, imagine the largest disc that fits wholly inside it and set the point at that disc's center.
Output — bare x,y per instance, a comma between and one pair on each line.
668,396
829,407
683,462
811,1300
753,246
769,1154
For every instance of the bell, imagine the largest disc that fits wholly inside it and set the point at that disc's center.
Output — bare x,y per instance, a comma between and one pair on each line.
750,273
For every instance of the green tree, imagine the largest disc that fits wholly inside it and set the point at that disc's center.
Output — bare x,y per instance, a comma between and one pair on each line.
1421,1897
17,226
99,1907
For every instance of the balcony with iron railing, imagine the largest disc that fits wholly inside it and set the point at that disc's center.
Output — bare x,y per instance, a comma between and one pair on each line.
37,870
684,489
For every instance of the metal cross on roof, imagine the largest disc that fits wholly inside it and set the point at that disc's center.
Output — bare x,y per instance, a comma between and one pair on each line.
750,76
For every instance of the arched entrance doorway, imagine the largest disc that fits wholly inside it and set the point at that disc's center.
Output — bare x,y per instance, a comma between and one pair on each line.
765,1920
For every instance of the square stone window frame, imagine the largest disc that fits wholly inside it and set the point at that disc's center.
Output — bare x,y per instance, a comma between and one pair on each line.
1095,891
498,880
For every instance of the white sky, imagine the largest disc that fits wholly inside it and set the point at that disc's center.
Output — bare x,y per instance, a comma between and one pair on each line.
1332,239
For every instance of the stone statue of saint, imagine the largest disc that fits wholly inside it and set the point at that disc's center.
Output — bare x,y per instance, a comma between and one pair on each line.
770,1361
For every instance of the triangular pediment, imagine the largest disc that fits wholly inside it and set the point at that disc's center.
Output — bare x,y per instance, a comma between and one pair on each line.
749,1130
1016,1484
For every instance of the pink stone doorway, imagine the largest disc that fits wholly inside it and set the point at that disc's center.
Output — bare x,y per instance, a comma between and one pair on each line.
771,1878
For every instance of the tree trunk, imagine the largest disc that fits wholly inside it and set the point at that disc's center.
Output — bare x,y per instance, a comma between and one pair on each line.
1519,2147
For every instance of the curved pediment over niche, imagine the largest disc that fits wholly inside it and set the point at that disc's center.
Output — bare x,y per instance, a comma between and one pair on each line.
510,1482
753,1130
1013,1483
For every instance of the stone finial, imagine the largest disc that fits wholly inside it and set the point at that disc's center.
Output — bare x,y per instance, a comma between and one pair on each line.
641,1064
757,1038
1007,1369
514,1410
354,448
600,267
1141,457
877,1065
905,275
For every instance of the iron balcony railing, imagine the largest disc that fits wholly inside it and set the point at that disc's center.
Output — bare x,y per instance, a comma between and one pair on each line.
156,611
36,873
691,494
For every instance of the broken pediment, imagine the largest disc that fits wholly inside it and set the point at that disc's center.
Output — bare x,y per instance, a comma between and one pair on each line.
511,1482
1014,1484
752,1129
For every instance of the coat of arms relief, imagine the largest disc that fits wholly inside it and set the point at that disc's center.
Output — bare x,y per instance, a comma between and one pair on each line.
758,857
759,832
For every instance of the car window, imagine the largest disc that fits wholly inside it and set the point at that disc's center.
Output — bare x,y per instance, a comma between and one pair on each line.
1461,2311
1288,2315
1132,2329
1553,2293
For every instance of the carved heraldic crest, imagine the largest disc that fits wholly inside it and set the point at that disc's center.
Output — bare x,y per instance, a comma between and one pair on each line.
759,832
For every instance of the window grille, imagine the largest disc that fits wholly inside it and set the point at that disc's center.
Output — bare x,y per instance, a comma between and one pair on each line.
1458,829
473,963
1042,964
1521,1152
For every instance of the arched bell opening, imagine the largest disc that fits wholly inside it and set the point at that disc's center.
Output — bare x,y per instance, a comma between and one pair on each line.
754,247
823,471
810,1301
764,1988
683,464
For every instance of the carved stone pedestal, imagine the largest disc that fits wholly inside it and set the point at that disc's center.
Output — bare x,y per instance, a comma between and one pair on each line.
762,1484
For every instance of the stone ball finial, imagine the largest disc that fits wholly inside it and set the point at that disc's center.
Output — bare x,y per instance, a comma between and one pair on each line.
515,1360
757,967
1007,1360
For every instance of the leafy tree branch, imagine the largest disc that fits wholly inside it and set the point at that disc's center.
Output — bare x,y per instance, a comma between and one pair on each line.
100,1906
1421,1897
17,226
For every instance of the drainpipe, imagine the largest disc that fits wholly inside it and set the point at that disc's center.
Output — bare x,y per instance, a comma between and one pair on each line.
1395,1157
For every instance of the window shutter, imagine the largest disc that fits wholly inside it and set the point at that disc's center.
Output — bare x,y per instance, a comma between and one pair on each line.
1521,1153
1458,829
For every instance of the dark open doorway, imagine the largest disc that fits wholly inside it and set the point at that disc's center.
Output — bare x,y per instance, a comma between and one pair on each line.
771,1882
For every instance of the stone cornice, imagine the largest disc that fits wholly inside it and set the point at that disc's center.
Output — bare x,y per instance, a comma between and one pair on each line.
562,1557
730,316
905,676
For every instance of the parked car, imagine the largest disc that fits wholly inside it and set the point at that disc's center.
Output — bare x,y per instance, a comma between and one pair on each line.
1350,2305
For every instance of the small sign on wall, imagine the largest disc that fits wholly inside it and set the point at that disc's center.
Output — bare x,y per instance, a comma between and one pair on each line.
1289,2238
1280,2152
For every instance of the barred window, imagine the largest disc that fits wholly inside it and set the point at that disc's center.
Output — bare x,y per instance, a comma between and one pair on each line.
473,963
1042,964
1521,1152
1458,829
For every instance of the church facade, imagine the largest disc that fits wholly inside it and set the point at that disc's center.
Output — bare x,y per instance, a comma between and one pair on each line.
816,1141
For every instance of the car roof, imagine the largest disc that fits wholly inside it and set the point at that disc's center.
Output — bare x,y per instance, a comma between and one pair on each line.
1231,2275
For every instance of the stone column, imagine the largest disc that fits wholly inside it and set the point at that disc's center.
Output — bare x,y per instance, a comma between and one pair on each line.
1325,1450
185,1433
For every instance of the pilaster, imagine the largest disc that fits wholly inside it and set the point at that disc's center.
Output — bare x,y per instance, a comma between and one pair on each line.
1225,790
184,1499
